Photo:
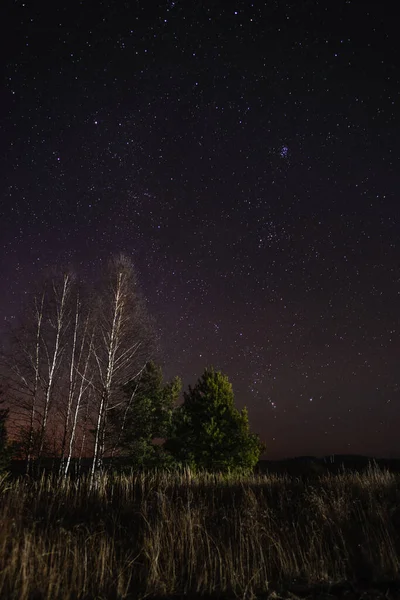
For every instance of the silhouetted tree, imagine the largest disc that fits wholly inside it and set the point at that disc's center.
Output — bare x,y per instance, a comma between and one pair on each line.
33,364
209,432
5,449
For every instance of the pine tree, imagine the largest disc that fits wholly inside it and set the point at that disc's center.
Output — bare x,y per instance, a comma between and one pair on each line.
146,417
209,432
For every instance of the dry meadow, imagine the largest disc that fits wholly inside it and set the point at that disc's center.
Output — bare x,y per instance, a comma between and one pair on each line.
164,534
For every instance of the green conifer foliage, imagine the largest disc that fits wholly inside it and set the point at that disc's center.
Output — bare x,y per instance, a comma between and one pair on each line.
148,418
209,432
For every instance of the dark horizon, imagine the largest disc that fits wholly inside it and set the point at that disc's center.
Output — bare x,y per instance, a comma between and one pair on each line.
246,159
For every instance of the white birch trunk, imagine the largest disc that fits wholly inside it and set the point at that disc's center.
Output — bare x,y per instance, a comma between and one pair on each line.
71,386
54,358
84,384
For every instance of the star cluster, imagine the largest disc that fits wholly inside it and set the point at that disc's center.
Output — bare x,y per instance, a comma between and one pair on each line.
245,156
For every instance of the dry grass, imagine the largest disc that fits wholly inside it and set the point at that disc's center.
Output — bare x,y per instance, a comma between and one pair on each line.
163,534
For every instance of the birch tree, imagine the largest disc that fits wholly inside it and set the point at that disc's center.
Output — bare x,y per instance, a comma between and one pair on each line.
124,343
71,380
71,356
33,360
79,381
54,344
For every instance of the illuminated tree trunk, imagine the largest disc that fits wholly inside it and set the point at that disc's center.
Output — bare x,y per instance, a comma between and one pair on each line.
54,357
71,386
85,384
122,346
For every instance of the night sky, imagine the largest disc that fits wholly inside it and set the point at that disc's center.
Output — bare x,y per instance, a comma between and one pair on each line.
246,156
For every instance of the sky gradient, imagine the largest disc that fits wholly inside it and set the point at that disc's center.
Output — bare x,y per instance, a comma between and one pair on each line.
245,155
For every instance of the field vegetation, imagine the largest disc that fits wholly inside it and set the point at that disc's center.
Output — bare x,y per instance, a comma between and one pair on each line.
159,534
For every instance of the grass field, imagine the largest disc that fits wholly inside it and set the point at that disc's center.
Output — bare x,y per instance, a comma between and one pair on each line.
161,534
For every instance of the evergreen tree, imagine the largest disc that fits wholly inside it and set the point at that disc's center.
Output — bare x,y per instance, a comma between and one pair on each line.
209,432
147,417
